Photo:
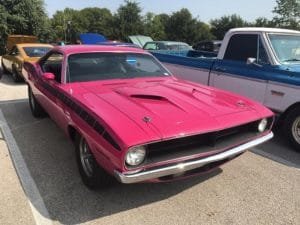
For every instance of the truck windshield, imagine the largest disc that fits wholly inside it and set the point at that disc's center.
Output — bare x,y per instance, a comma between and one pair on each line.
105,66
286,47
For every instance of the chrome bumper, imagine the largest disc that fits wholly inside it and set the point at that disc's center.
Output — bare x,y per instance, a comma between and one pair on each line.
134,177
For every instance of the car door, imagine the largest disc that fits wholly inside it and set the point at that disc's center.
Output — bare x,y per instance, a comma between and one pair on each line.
50,90
235,74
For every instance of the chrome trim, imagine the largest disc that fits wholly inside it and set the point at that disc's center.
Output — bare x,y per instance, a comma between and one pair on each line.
134,177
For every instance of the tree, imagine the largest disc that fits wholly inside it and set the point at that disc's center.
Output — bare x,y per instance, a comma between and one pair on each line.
287,14
23,17
181,26
219,27
154,27
96,20
128,20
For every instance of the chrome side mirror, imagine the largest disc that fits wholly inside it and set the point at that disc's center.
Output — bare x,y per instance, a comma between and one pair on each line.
253,61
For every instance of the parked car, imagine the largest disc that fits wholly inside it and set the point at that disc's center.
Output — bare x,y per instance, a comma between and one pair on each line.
166,45
208,46
260,63
13,61
14,39
130,118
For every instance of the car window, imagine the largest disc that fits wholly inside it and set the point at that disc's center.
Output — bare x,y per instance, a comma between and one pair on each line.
53,64
244,46
105,66
241,47
36,51
151,46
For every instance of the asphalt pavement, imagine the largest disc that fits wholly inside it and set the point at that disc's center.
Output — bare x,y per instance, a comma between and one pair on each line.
43,187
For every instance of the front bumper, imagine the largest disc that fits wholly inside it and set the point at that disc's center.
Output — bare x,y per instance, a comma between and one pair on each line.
139,176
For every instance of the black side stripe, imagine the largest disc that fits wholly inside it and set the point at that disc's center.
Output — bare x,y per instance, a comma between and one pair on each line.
82,113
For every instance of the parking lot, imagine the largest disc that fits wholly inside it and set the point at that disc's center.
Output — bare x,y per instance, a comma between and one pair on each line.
260,187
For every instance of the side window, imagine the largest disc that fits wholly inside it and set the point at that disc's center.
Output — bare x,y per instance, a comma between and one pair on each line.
241,47
53,64
151,46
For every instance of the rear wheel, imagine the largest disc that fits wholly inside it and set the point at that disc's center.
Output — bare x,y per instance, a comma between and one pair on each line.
93,176
36,109
292,128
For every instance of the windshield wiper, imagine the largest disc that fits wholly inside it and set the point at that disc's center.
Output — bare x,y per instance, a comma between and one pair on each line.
291,60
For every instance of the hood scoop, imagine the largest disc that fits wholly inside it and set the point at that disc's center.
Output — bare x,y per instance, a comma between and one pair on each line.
148,97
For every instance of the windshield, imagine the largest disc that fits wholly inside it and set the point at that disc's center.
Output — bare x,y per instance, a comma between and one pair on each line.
36,51
104,66
286,47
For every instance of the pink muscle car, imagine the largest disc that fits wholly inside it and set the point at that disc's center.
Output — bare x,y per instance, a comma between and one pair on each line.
131,119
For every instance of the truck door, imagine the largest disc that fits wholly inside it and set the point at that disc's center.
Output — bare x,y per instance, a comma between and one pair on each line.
244,68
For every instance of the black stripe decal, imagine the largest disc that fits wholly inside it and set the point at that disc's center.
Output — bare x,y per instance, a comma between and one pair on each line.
82,113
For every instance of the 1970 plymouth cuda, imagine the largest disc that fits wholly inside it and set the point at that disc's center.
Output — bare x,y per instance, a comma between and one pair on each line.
131,119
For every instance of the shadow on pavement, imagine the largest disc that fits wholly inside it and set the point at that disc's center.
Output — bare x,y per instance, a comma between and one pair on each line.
279,150
49,156
8,80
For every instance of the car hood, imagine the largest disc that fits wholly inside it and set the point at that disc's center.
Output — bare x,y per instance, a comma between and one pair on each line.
150,110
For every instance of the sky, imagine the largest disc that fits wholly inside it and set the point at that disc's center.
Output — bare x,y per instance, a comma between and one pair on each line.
203,10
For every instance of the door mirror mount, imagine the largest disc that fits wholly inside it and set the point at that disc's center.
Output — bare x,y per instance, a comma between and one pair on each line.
48,76
253,61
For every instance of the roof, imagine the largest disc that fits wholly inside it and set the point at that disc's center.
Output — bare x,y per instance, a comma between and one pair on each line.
263,29
34,45
71,49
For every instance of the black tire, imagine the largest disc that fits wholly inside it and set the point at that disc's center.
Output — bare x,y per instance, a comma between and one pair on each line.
92,175
36,109
16,76
4,70
292,128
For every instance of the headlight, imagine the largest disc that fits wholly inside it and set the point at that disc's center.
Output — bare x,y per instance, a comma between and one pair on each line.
262,125
135,156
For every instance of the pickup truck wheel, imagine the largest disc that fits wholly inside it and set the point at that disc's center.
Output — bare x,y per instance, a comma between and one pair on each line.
36,109
93,176
16,76
292,128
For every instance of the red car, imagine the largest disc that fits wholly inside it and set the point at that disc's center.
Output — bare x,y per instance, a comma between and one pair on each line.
131,119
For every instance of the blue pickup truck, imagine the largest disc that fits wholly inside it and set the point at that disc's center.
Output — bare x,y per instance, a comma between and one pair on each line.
261,63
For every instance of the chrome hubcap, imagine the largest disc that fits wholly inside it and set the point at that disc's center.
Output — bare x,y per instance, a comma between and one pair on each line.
86,158
296,129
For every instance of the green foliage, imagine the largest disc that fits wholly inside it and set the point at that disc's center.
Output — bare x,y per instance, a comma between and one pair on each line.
128,20
154,27
181,26
23,17
287,14
219,27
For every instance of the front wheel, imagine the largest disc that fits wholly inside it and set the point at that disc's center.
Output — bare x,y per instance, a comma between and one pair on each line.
16,76
36,109
93,176
292,128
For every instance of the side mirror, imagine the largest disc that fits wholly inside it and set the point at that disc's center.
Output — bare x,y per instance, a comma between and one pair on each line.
253,61
48,76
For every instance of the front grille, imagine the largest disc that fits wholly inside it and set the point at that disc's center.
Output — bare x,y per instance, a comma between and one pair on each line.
202,144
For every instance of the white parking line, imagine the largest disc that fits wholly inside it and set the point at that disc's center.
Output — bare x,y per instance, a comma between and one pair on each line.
37,205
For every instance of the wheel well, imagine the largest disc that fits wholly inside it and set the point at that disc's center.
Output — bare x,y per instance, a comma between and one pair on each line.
289,109
72,133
